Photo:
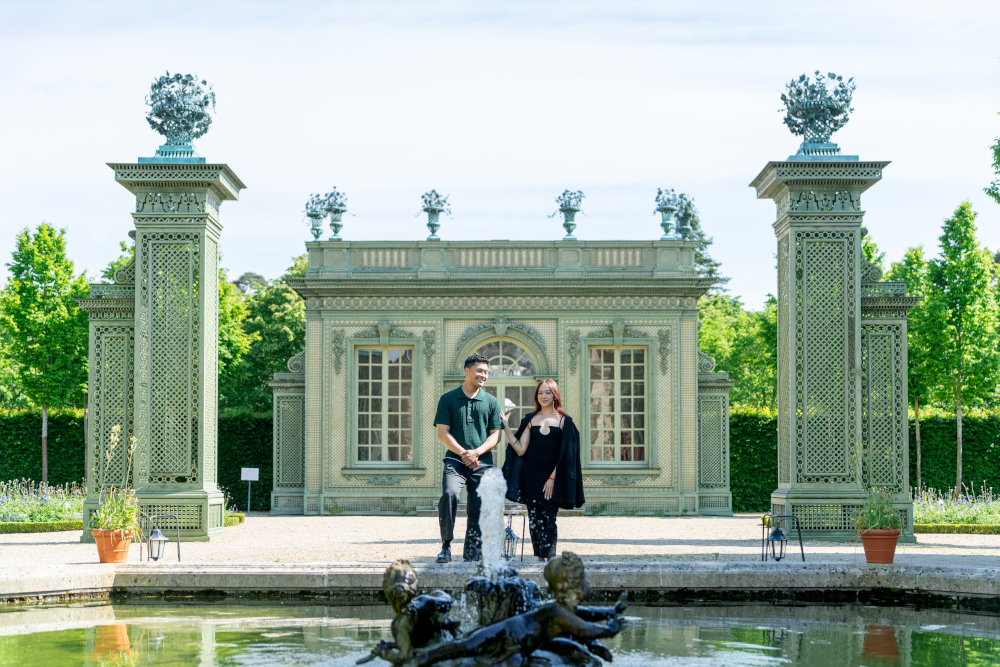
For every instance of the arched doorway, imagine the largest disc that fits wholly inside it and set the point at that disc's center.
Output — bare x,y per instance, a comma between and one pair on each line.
512,381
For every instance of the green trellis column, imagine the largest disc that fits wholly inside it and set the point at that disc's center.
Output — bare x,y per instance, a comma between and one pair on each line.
820,366
176,336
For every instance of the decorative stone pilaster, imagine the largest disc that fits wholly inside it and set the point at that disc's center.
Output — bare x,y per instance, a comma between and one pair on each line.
176,337
822,398
289,390
714,495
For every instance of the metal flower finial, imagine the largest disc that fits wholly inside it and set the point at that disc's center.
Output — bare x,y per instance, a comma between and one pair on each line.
434,206
667,204
335,205
179,107
816,109
569,206
316,211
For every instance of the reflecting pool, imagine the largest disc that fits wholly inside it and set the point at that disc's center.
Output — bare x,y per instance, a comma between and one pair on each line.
210,635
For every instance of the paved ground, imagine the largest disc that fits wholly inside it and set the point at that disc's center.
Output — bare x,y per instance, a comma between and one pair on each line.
266,539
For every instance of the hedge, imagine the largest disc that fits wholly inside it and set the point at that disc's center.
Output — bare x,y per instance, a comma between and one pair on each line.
245,442
972,528
39,526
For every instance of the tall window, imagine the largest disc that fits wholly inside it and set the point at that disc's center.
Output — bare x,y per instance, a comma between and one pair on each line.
385,404
617,405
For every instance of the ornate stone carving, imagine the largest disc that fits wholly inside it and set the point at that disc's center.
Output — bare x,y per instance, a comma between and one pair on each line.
618,480
573,348
811,200
430,341
618,331
569,206
126,274
179,107
870,273
500,325
533,303
338,350
297,364
383,480
384,331
664,350
170,202
814,111
706,364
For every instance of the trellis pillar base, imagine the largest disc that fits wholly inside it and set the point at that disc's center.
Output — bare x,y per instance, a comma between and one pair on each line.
828,516
201,512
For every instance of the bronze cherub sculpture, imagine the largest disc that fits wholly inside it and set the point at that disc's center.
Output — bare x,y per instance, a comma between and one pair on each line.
420,619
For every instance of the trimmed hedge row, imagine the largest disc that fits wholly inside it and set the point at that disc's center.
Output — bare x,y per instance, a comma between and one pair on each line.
973,528
7,527
245,442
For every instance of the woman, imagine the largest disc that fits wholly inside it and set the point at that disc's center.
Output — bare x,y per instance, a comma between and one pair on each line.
545,473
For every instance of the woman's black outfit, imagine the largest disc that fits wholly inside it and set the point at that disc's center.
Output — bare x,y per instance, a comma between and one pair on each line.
558,450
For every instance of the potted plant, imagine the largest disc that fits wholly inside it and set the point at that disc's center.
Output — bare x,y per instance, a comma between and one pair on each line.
879,525
117,515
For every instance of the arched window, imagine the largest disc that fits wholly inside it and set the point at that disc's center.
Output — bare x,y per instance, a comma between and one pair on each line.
507,359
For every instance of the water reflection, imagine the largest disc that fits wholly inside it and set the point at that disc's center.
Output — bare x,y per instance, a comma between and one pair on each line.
304,634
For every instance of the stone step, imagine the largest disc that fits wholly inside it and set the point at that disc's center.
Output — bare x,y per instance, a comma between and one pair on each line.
431,510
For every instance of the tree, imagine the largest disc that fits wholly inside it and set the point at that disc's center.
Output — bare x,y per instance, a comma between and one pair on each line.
687,215
743,343
47,332
869,250
276,314
913,270
250,281
234,341
993,189
962,323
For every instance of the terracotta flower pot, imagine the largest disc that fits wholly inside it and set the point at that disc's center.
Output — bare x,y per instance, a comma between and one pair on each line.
112,545
880,644
880,544
111,641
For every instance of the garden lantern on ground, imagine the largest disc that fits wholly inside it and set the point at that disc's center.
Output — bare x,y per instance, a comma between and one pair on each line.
777,542
157,543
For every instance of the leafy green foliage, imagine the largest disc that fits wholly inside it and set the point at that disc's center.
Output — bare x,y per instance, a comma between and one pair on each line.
744,343
753,458
876,512
46,334
869,250
962,318
234,340
26,501
40,526
119,506
245,442
933,506
275,316
687,216
993,189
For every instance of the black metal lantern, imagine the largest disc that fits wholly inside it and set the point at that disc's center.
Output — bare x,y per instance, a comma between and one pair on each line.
157,543
778,541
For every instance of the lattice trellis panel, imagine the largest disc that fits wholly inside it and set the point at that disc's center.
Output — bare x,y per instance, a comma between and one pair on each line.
315,406
784,397
635,505
376,505
111,401
190,516
210,294
883,410
169,322
290,428
831,517
825,292
713,449
689,406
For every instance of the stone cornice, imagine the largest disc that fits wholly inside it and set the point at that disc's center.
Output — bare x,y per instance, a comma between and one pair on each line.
510,303
776,175
218,178
108,309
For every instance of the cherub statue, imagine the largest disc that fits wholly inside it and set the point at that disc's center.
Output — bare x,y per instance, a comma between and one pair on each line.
420,619
554,626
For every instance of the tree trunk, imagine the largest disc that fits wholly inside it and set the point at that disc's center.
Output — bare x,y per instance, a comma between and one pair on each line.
916,414
958,415
45,444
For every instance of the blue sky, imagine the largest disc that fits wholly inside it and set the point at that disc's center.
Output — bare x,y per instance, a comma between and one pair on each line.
500,105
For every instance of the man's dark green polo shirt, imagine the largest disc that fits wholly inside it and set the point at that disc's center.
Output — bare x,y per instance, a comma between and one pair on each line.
470,420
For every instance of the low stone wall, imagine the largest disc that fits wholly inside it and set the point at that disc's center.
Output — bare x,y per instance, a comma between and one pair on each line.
953,587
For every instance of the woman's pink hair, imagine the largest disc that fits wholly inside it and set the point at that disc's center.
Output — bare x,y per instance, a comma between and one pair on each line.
556,397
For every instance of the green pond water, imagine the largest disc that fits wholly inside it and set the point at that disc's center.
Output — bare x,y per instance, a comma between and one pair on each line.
210,635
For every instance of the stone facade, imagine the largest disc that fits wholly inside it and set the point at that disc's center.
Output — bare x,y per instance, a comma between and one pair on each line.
389,324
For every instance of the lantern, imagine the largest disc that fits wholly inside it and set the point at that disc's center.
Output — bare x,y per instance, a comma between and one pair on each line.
778,541
157,543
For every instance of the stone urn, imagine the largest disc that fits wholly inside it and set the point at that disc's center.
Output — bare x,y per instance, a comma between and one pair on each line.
569,221
336,214
112,545
666,212
880,544
433,215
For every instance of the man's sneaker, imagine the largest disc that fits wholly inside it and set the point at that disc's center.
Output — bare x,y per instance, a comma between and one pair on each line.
444,556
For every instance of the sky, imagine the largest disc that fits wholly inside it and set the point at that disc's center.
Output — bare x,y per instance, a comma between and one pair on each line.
500,105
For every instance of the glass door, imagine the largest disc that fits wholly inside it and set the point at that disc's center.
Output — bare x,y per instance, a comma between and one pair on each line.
517,398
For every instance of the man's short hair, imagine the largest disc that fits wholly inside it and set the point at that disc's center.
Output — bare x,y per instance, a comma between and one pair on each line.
474,359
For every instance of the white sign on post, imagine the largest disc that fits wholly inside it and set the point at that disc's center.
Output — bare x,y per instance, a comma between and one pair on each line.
249,475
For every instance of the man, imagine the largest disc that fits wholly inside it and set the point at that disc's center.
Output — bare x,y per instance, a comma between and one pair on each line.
468,423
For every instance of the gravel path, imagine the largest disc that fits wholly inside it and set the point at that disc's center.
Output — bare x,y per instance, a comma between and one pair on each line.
303,539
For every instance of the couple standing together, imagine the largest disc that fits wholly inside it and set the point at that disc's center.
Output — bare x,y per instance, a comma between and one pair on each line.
541,463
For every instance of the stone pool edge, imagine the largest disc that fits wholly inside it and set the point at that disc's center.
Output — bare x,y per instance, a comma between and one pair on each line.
951,586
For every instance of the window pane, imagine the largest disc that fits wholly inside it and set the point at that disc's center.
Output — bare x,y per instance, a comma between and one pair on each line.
609,356
639,453
626,357
406,421
377,357
362,437
394,372
393,356
626,404
609,453
394,453
363,389
595,388
407,357
595,355
393,405
638,404
626,388
406,372
377,372
639,356
609,388
362,421
626,422
393,437
393,421
638,372
406,389
362,372
626,453
626,372
595,453
593,421
394,389
406,437
376,438
376,453
374,413
363,356
406,453
362,405
363,453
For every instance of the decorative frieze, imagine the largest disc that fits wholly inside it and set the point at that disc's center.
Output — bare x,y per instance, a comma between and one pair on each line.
500,324
467,303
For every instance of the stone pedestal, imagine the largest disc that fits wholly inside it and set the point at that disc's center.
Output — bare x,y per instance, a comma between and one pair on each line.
841,379
157,369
